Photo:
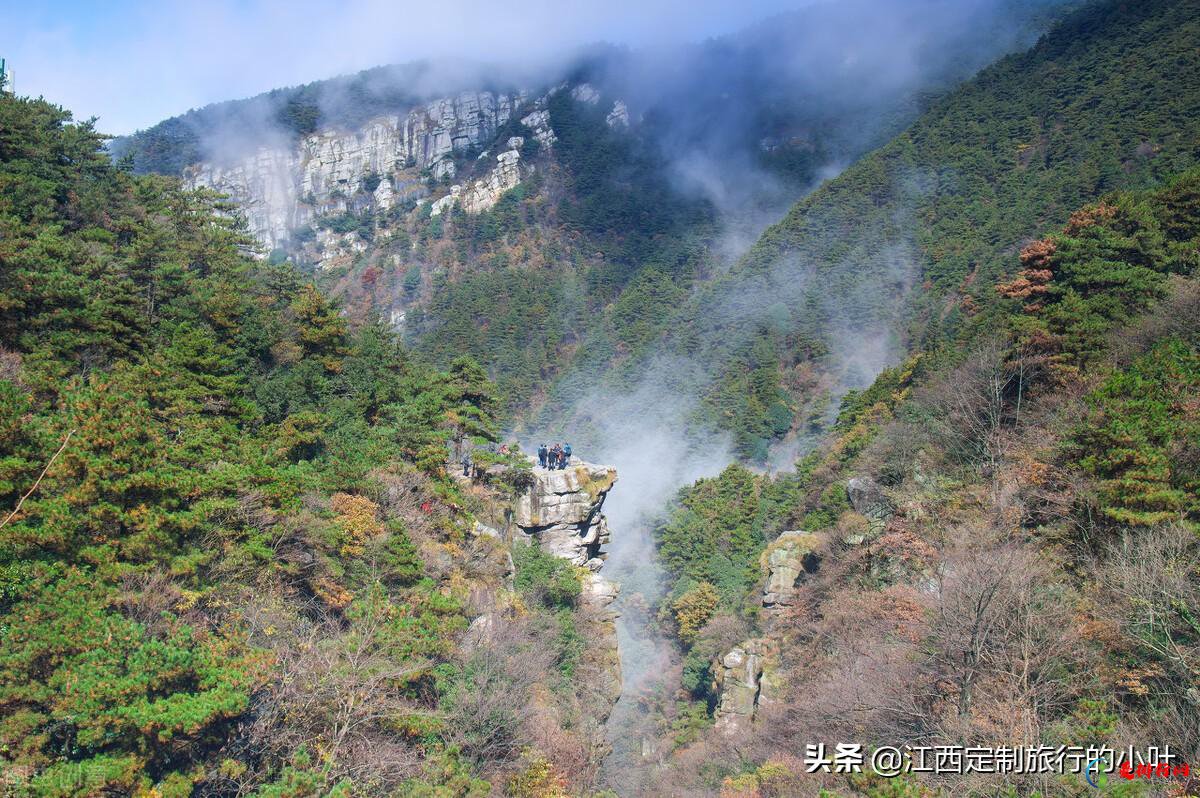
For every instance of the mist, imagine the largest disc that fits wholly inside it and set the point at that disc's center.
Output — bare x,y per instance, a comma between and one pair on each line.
132,63
751,105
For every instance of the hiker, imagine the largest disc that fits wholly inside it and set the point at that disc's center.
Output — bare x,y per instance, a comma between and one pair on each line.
555,456
543,454
466,463
566,455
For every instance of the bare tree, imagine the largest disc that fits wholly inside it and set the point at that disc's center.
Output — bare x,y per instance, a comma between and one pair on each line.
1151,592
340,688
487,713
970,409
1001,643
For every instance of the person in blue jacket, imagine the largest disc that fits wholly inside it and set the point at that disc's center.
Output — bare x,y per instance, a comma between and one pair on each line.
566,458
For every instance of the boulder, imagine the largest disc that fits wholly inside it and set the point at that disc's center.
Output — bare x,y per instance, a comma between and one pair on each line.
786,561
598,592
483,530
737,682
866,497
868,500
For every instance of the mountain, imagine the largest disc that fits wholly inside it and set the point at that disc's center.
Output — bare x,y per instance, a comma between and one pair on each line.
259,541
1102,102
235,557
610,184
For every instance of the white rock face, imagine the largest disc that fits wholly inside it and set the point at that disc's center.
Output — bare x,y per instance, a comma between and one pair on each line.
618,117
447,202
486,192
280,190
562,510
586,93
786,560
539,123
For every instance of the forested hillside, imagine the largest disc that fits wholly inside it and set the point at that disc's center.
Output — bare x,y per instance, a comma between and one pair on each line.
575,276
1000,538
949,403
1107,100
231,560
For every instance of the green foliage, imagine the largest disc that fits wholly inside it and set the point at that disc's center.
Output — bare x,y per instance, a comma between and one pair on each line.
716,531
621,191
398,560
1141,437
349,222
150,693
548,580
990,164
511,319
182,399
690,722
1109,263
302,779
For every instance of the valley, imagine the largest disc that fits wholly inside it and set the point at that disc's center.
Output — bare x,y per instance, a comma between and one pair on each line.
878,355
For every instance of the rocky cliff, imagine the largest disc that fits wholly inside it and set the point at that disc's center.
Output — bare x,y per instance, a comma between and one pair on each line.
562,510
786,561
281,189
737,680
457,150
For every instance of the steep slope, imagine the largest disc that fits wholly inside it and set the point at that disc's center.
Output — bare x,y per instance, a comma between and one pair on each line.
232,560
996,546
965,559
1108,99
630,177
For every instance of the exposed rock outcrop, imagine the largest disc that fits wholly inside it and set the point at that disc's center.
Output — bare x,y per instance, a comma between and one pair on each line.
586,93
737,680
539,123
618,117
486,192
786,561
563,510
598,597
868,500
311,197
282,188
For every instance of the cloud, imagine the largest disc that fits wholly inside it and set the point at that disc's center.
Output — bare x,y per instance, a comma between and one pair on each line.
135,63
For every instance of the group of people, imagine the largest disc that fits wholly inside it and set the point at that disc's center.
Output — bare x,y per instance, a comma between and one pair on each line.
556,456
551,457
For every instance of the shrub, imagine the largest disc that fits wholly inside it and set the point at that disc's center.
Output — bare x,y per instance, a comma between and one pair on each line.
548,580
694,609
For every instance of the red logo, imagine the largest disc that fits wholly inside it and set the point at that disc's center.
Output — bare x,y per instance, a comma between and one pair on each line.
1163,770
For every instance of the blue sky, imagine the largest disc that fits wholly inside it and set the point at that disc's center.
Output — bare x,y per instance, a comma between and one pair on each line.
132,63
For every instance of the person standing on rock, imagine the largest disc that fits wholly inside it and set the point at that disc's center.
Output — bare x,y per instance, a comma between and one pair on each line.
543,454
466,463
555,456
566,455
